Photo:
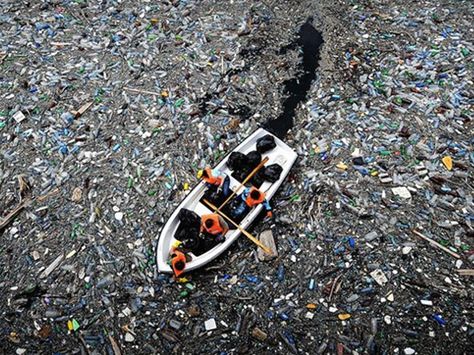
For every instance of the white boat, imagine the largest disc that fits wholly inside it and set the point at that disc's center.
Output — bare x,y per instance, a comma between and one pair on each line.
282,154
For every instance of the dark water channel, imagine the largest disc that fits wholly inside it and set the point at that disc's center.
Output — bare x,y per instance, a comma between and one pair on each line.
310,42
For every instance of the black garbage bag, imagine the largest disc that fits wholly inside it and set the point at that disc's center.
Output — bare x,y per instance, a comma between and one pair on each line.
193,244
240,175
272,172
258,179
189,218
265,143
254,158
186,234
237,161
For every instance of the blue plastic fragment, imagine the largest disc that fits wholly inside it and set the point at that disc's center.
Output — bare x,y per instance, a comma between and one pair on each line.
438,318
269,314
352,242
281,273
251,278
361,170
63,149
41,26
293,244
67,117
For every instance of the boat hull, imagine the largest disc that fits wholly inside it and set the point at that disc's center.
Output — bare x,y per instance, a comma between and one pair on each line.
282,154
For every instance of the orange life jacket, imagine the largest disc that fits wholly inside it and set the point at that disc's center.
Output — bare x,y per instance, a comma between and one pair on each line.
250,201
176,257
213,180
216,228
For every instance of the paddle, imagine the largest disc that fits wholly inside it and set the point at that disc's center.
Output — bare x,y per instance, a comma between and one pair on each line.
254,171
247,234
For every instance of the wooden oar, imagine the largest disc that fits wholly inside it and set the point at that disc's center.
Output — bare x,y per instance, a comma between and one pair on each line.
247,234
254,171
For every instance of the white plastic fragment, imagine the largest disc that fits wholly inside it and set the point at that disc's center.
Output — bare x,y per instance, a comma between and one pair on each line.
266,238
379,277
210,324
401,191
71,254
52,266
19,117
35,255
129,337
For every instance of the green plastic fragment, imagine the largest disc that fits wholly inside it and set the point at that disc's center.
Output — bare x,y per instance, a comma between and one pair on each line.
179,102
295,198
378,84
75,325
2,124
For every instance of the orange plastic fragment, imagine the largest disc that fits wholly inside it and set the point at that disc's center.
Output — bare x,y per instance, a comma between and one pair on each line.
448,162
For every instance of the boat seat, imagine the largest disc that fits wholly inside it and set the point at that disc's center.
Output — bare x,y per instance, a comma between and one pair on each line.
280,160
201,209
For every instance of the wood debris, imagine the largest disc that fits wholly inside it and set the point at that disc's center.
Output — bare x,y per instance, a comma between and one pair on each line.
436,244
